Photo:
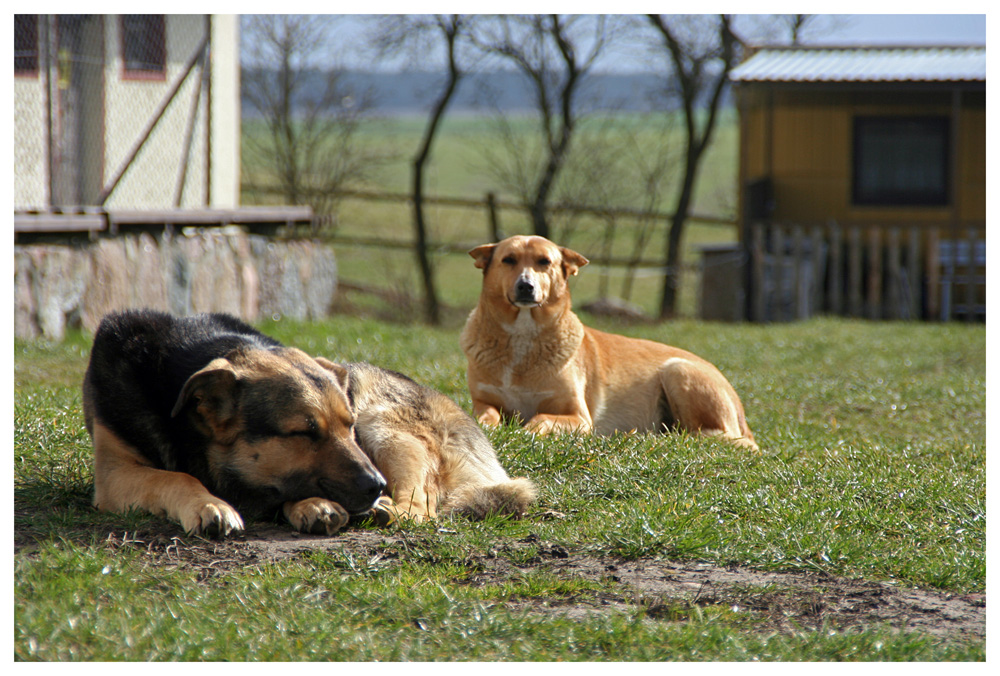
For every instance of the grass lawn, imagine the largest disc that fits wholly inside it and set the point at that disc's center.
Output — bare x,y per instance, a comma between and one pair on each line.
870,486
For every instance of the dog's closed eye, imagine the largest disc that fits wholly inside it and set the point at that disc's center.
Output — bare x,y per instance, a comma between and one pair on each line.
509,260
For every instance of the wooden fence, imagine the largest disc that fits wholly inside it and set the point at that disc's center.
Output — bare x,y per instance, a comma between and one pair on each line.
792,271
875,272
492,207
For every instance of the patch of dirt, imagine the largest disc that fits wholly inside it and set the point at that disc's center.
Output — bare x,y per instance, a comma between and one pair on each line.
663,590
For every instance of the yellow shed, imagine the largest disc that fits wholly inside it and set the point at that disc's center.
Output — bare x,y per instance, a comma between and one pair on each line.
884,147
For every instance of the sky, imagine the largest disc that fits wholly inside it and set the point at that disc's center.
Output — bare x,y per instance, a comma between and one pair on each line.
908,29
830,29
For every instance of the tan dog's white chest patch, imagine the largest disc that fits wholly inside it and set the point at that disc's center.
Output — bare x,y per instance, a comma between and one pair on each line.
523,333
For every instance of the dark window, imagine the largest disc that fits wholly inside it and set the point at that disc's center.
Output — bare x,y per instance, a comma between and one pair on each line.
144,45
25,43
901,161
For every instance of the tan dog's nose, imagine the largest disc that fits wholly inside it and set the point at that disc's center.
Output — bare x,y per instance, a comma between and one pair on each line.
524,291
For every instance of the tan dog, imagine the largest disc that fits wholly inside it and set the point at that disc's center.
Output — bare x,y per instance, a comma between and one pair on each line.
531,358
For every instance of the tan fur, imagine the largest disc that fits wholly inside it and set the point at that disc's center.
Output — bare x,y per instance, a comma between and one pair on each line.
272,429
435,459
316,515
124,479
530,358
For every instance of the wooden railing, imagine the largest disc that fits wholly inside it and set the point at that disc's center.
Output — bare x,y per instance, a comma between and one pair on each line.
876,272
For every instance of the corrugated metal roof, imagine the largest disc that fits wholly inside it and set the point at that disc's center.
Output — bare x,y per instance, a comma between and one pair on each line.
864,64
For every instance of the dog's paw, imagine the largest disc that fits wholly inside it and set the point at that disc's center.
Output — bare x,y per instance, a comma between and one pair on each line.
382,513
543,425
408,513
489,418
214,518
316,515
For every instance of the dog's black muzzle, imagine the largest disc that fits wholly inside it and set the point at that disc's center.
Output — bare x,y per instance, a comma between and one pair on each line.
358,496
524,293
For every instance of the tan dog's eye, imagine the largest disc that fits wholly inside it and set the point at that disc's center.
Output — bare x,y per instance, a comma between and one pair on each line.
509,260
544,262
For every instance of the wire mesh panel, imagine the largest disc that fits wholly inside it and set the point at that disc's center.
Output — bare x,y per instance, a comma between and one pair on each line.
112,111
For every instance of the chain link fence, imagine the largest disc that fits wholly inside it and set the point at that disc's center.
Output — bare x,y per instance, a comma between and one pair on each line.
112,111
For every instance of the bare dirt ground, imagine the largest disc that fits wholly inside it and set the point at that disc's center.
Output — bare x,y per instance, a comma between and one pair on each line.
783,602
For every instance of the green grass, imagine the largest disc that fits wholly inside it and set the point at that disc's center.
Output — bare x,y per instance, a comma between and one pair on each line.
872,466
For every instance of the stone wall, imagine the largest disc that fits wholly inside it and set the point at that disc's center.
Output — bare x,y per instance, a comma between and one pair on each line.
196,270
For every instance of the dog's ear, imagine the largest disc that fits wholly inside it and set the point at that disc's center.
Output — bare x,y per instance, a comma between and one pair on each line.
339,372
483,254
214,390
572,261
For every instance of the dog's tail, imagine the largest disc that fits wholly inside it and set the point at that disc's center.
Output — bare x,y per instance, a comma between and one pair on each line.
511,497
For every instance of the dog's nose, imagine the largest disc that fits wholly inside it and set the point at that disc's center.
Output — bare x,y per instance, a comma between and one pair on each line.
524,290
371,486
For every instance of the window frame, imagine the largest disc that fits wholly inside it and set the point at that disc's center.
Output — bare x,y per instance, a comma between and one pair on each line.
33,71
867,196
157,37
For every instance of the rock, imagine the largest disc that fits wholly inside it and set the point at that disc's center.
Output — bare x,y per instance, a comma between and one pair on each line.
200,270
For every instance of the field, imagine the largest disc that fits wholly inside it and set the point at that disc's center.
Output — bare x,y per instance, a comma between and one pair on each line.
858,533
459,167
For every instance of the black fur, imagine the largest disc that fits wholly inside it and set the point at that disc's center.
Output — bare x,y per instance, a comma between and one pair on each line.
139,364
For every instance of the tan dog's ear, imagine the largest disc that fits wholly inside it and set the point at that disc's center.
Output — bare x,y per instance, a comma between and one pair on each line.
483,254
339,372
572,261
213,389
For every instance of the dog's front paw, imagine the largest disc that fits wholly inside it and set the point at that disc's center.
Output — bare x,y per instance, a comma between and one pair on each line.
489,418
382,513
316,515
543,424
214,518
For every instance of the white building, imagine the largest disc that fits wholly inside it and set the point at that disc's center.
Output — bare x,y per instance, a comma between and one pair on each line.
126,112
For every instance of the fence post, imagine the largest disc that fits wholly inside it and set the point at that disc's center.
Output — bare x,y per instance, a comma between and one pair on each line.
834,295
757,272
816,290
854,272
933,266
970,277
894,279
778,269
794,312
913,272
874,300
491,207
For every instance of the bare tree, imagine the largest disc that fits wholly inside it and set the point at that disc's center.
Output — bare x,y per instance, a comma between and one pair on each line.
701,58
619,161
396,33
555,53
795,29
311,118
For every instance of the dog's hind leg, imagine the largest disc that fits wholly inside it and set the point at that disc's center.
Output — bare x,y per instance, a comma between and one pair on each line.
702,401
123,480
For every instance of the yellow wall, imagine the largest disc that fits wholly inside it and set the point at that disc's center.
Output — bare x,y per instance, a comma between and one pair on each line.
803,140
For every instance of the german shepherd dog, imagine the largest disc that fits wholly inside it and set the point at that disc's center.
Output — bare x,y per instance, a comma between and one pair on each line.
204,419
530,358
